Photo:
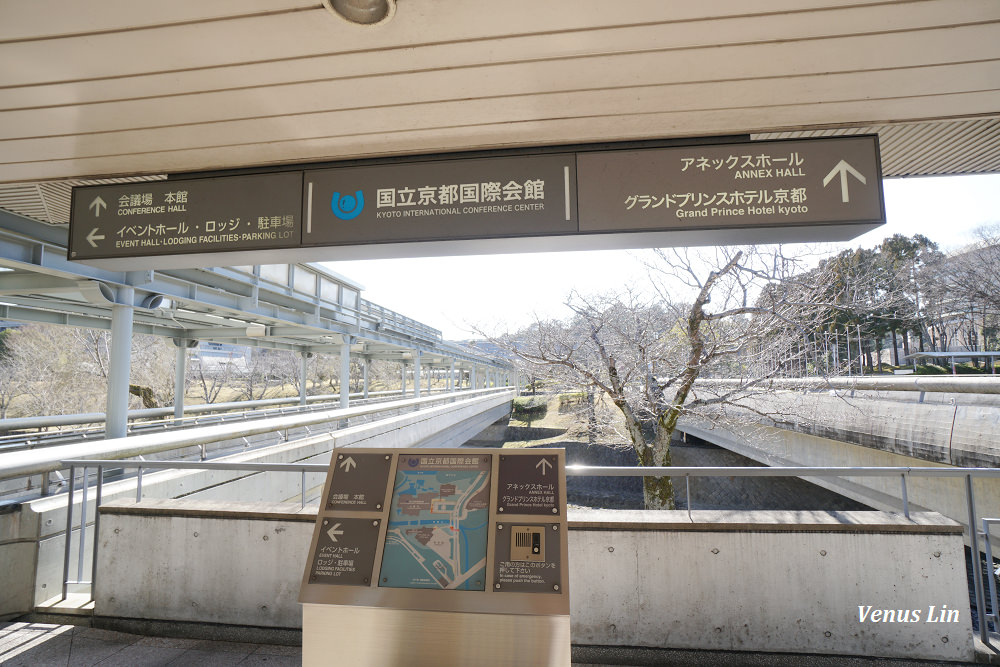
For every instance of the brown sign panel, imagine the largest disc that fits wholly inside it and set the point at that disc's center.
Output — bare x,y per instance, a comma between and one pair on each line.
187,216
530,195
761,183
528,484
597,198
345,551
358,482
527,558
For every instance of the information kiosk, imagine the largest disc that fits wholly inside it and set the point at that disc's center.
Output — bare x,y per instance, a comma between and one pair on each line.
439,557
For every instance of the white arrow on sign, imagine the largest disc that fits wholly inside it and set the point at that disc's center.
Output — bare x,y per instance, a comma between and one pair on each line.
348,463
96,205
93,237
843,169
541,464
334,532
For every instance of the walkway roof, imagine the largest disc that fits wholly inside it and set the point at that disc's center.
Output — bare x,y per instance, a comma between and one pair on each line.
111,88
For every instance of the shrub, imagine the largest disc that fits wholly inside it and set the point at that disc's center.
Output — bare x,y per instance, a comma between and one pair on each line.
530,409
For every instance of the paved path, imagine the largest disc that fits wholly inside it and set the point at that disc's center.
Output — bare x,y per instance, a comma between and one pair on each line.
41,645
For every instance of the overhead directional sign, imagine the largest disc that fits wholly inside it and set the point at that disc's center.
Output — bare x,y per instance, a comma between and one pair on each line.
531,195
186,216
769,190
757,184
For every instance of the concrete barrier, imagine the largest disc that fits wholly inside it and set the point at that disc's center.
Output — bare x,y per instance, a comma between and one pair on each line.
796,582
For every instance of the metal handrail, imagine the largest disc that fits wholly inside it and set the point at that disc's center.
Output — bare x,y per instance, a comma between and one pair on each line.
22,423
923,383
43,461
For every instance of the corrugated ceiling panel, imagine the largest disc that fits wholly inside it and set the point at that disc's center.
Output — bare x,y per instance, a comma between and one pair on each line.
50,201
969,146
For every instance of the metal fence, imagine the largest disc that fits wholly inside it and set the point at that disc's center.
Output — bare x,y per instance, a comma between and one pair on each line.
967,474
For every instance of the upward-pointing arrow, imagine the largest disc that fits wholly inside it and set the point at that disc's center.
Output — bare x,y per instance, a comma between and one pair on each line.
348,463
843,169
542,464
96,205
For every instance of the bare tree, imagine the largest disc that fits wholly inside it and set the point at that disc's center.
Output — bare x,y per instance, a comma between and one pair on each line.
738,313
210,379
262,373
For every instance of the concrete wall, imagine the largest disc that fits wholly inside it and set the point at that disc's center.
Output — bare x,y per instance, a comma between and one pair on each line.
31,534
782,447
730,581
952,428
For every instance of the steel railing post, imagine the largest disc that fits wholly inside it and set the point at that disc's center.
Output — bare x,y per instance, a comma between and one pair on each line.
138,485
906,501
687,489
995,603
69,529
302,488
977,570
97,525
83,528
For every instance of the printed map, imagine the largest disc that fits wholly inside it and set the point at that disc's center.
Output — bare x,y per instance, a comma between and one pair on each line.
438,523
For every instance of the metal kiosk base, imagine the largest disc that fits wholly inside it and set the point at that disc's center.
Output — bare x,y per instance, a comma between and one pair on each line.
380,637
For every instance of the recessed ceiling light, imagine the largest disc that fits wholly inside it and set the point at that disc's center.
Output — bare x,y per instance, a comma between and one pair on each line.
362,12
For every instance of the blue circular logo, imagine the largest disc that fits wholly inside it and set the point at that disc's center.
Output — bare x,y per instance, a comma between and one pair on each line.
347,207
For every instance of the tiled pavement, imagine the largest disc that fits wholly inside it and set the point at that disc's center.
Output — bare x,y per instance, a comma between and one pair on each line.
42,645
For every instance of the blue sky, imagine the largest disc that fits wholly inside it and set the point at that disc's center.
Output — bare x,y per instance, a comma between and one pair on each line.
507,291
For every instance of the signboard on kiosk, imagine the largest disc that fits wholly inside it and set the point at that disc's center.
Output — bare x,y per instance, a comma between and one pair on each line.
429,535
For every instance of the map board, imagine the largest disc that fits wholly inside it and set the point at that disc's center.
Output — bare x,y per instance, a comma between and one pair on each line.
438,524
422,529
787,190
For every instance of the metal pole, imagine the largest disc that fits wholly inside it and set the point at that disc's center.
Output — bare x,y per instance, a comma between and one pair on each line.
861,353
906,502
995,616
302,489
180,369
83,528
366,362
451,376
850,360
303,374
402,378
826,353
416,375
687,490
138,485
473,380
345,371
116,421
977,570
97,527
69,529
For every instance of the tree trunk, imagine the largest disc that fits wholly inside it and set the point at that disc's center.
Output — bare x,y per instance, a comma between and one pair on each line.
895,349
591,417
658,492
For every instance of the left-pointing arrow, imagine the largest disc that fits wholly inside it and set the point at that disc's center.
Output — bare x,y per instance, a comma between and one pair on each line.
93,237
334,532
96,205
